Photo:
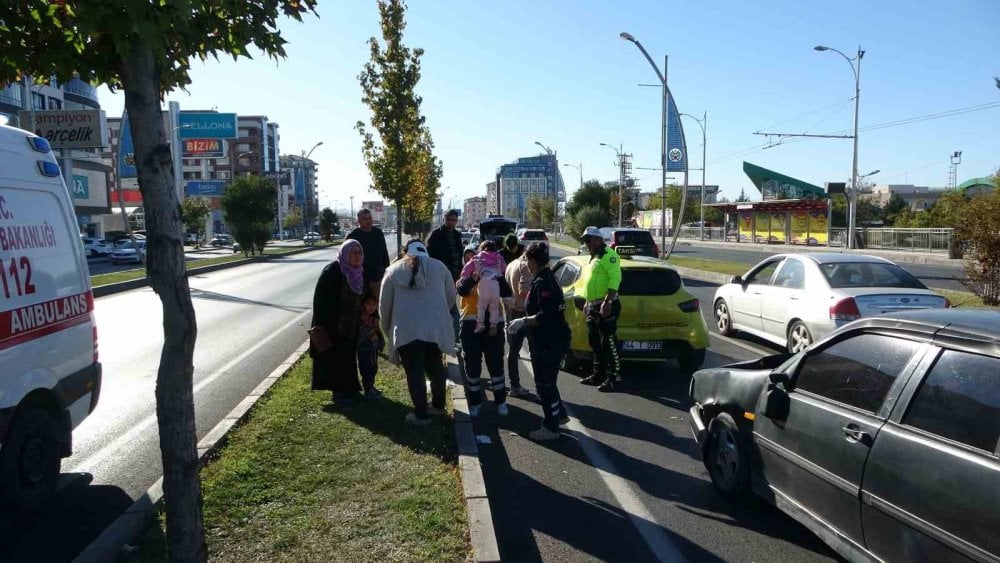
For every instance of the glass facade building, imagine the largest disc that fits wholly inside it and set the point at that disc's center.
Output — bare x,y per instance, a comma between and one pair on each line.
529,176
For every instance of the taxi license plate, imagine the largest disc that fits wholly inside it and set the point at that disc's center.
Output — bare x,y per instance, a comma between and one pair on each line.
641,345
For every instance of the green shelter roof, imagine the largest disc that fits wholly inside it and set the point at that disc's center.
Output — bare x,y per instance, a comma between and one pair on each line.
984,181
774,185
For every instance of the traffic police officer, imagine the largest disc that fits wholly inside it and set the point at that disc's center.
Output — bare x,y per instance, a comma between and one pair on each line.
602,309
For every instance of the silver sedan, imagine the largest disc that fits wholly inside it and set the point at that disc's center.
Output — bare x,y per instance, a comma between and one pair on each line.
794,299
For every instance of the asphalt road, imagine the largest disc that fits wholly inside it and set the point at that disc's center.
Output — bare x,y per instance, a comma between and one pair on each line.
626,482
250,319
932,276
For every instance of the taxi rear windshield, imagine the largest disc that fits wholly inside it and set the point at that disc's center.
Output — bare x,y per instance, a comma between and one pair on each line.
649,282
867,274
634,238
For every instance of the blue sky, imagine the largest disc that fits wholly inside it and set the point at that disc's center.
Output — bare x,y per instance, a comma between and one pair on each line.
498,76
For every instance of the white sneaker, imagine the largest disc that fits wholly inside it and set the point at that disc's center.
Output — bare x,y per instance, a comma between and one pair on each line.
543,434
474,410
502,409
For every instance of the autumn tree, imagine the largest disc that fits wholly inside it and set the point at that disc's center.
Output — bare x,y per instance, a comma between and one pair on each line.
145,49
980,230
540,212
292,219
194,212
400,161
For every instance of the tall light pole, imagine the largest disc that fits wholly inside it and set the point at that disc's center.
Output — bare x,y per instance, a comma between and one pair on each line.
703,123
663,148
621,181
555,189
305,217
852,199
580,168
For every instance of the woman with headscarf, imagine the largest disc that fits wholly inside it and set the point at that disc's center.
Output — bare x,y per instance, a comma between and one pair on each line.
337,309
417,295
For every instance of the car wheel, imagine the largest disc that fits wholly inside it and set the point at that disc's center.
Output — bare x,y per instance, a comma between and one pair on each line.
726,457
723,318
691,359
29,460
799,337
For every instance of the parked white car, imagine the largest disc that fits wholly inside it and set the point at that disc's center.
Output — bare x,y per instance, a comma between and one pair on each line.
127,253
795,299
95,247
51,377
311,238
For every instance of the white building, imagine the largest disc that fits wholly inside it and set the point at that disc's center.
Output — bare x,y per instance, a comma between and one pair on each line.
474,210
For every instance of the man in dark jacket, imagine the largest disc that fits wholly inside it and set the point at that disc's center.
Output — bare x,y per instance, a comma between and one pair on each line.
445,244
372,240
512,249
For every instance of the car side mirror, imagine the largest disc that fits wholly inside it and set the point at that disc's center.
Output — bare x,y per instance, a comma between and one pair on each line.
776,402
579,302
736,280
779,377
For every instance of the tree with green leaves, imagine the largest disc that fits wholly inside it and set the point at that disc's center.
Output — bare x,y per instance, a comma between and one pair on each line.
248,208
401,161
292,219
949,210
541,212
895,208
328,224
145,49
743,196
587,216
194,212
592,193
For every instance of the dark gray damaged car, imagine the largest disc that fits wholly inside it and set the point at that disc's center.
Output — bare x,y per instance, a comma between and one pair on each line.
882,438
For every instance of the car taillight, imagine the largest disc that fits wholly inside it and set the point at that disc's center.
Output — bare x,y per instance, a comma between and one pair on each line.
93,324
845,310
689,306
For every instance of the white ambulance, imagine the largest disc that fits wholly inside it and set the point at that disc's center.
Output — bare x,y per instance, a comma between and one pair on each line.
50,378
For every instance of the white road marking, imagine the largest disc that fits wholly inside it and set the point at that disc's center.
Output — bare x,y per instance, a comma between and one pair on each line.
142,426
659,542
744,345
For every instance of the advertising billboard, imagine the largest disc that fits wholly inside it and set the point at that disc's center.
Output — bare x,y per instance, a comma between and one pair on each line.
800,227
676,155
203,148
206,125
126,150
69,129
818,226
205,188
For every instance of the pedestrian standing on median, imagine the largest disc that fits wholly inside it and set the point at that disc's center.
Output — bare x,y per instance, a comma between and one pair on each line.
417,293
519,278
602,310
445,244
548,337
372,240
337,309
477,346
370,343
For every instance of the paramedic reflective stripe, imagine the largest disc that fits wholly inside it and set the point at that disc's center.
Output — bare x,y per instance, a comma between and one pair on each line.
27,323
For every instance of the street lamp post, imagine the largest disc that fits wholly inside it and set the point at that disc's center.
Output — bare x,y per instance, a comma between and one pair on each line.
852,199
308,204
703,123
621,180
663,147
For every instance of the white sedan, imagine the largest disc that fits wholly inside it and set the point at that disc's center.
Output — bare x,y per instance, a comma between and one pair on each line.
795,299
126,252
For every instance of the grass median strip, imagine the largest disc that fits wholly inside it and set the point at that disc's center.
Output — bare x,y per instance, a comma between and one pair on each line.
139,273
303,480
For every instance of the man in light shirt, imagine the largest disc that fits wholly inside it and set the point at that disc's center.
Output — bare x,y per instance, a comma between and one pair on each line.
519,278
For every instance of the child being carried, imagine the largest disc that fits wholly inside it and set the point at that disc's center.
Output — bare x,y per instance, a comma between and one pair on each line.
486,267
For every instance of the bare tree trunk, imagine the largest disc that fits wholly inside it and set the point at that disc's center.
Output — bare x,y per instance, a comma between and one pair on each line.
165,247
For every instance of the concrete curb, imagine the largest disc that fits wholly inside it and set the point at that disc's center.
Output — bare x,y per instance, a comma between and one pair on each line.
130,525
477,505
111,288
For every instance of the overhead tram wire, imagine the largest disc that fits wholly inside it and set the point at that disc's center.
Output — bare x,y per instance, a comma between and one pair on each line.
948,113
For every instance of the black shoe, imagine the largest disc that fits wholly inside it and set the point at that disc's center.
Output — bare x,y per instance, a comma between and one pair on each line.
590,381
606,387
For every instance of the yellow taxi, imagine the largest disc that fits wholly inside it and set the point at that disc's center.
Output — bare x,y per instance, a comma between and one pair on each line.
660,318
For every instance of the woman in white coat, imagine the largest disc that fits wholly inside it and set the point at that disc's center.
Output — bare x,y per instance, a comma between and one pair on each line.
417,295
